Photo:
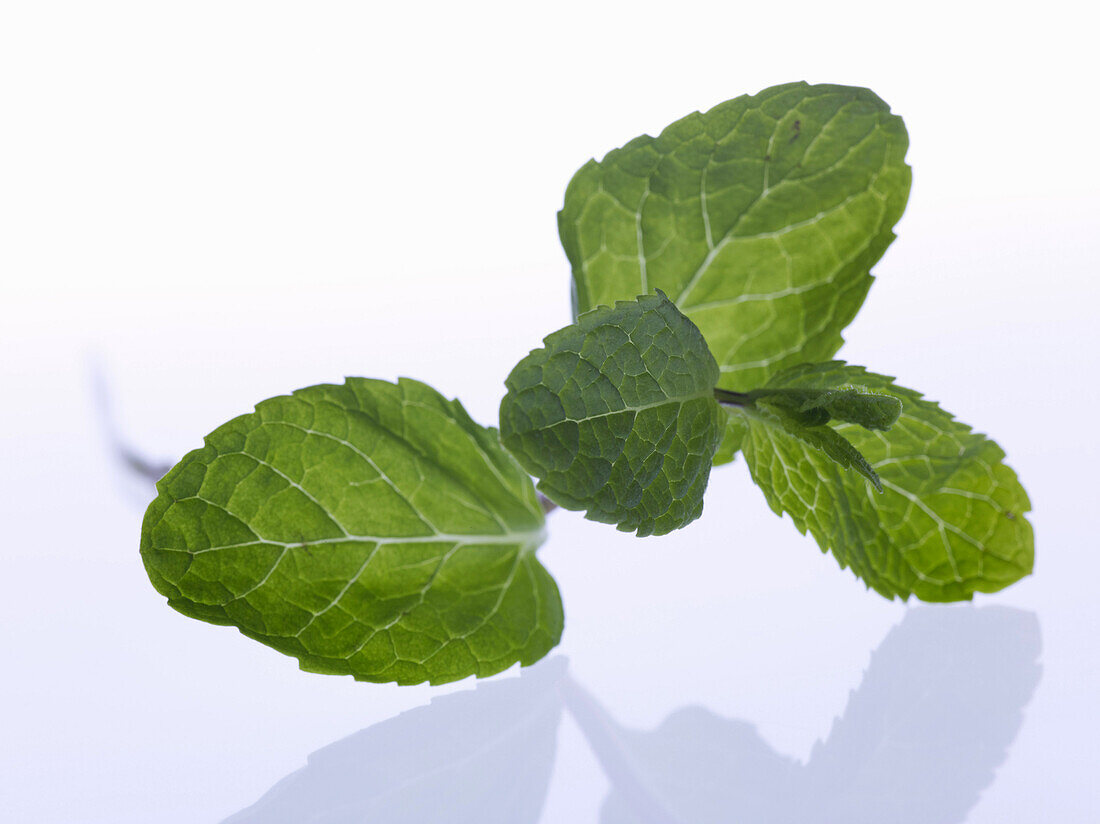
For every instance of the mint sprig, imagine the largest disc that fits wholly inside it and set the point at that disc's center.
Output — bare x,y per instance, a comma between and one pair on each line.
760,219
373,529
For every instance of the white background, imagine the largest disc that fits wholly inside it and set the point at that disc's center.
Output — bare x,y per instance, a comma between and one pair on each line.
215,202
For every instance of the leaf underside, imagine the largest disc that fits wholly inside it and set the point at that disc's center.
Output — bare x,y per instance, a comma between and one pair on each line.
369,529
760,219
616,416
950,520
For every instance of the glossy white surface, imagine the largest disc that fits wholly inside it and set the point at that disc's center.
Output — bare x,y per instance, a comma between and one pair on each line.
222,203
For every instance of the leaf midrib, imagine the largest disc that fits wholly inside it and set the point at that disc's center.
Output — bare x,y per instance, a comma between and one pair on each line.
708,393
523,539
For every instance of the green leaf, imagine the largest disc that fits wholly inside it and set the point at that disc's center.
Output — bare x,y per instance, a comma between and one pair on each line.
616,415
950,521
817,436
761,219
730,445
815,407
369,529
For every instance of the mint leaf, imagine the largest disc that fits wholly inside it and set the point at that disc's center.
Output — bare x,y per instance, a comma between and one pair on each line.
729,446
616,415
818,436
950,521
858,406
815,407
803,411
369,529
760,218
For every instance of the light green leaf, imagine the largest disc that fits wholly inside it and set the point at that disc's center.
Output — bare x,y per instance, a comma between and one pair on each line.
730,445
950,521
761,219
616,415
369,529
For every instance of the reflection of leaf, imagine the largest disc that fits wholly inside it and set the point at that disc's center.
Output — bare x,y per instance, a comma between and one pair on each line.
369,529
936,713
761,220
483,755
938,708
950,521
616,415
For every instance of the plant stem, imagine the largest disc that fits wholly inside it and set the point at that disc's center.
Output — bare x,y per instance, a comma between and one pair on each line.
727,397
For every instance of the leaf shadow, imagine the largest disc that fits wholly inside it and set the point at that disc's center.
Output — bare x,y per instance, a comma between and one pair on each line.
479,755
938,708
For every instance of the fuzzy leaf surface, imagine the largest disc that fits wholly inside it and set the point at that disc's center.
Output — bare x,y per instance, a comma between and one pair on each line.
815,407
369,529
616,416
950,520
760,218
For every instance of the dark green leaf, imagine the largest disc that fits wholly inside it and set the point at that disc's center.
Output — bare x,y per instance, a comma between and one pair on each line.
616,415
